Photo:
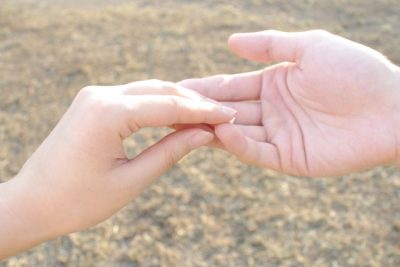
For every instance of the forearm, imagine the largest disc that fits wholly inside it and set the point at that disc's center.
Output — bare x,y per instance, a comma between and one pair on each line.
19,229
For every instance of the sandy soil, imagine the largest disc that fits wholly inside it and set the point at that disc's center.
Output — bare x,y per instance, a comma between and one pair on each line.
210,210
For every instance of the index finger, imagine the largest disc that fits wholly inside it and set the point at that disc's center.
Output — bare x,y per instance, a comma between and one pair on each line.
237,87
158,111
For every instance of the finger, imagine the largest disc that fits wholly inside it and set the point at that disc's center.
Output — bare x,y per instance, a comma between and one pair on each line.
271,45
210,128
238,87
157,87
205,127
215,143
248,113
256,133
246,149
157,111
141,171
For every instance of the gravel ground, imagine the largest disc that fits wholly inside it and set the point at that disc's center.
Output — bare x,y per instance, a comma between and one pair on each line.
210,210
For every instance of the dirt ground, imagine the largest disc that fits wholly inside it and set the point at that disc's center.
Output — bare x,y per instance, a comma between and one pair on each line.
210,210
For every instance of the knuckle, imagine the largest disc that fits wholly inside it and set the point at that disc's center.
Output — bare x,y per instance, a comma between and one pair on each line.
92,100
168,84
87,91
155,81
170,88
172,107
270,32
172,101
268,40
176,108
171,157
228,83
175,103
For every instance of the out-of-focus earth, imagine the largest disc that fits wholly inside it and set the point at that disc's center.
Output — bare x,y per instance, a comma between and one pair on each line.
210,210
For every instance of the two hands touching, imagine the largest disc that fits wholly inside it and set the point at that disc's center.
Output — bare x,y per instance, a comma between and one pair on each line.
329,108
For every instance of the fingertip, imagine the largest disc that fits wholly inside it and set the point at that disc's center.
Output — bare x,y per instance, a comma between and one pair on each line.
228,112
221,128
187,83
232,38
269,45
200,138
238,36
228,134
244,45
233,41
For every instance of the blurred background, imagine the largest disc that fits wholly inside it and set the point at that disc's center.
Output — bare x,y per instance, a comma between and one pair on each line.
210,210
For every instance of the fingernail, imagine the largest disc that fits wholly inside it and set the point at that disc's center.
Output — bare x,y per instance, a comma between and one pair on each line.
200,139
228,111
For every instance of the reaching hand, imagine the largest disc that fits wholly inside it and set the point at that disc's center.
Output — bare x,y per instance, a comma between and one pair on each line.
80,175
330,108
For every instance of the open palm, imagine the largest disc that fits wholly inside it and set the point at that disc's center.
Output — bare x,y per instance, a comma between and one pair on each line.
329,108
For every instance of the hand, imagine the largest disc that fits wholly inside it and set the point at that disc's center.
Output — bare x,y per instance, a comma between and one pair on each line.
81,175
329,109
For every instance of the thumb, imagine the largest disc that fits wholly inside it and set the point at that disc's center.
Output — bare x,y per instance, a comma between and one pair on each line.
270,45
157,159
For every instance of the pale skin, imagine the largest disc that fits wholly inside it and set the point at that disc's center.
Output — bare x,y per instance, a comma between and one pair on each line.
331,108
80,175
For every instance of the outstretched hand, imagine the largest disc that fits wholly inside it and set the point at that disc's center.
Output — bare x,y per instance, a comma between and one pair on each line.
330,108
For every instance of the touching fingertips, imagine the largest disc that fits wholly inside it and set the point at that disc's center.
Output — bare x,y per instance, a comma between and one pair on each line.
200,138
226,132
228,111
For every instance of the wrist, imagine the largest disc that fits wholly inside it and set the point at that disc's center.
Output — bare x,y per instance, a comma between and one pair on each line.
21,228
